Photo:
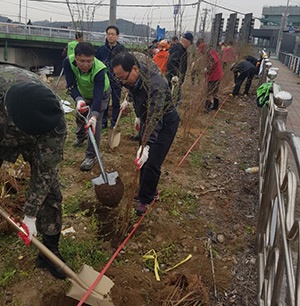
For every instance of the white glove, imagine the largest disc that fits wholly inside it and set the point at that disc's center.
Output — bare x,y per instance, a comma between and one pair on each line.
92,123
81,107
137,123
141,159
175,80
123,105
30,228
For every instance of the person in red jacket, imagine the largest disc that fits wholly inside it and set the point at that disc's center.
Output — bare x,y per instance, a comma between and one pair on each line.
213,75
228,54
161,57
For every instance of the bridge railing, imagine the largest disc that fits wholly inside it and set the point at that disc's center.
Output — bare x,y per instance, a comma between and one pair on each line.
278,240
290,60
69,34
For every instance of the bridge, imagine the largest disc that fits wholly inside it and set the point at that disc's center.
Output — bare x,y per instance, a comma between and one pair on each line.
35,46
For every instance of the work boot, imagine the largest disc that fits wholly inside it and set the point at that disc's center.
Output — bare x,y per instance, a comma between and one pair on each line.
216,104
42,262
208,105
87,164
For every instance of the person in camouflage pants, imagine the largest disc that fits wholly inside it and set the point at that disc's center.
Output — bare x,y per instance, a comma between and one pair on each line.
32,124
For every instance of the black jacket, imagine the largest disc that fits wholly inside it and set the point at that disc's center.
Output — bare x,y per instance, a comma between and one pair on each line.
105,54
177,63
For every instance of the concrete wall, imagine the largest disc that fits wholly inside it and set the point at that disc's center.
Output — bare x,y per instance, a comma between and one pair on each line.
32,57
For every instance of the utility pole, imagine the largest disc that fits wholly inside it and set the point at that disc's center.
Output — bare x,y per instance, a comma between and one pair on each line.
204,22
20,10
113,12
280,33
196,19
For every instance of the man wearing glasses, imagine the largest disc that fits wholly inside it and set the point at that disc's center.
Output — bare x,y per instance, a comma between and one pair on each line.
88,84
105,53
152,102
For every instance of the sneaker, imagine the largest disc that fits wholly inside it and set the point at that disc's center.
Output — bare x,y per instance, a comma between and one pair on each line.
43,262
79,141
88,164
141,209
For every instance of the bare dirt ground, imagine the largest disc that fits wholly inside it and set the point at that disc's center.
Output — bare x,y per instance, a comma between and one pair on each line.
207,209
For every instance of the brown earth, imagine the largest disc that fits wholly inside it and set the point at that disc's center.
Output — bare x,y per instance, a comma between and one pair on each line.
207,208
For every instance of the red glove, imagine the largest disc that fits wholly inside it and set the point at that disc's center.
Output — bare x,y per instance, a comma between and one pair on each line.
137,124
81,107
29,226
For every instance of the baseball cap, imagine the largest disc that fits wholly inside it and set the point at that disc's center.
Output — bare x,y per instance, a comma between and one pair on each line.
189,36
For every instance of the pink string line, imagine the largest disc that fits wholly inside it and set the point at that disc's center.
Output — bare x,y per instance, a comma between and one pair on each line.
114,256
143,216
201,134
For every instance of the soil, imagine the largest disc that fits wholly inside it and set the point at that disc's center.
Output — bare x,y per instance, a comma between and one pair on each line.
207,209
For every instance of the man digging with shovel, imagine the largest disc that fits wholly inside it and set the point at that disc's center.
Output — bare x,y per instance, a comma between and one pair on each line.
159,121
32,124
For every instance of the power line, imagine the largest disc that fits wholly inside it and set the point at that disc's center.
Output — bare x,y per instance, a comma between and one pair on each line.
119,5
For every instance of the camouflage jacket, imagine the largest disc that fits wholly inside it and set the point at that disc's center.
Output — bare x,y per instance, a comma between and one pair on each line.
43,152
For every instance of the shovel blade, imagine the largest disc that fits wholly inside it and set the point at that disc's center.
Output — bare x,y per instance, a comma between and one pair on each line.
114,138
100,295
111,178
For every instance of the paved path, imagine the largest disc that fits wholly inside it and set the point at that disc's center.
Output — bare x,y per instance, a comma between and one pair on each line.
288,80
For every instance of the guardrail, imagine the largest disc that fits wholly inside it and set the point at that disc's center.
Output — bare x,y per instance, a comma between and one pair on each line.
278,240
12,29
290,60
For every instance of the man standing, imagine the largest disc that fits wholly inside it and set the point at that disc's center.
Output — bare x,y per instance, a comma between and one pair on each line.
69,49
32,124
159,121
88,84
104,54
177,64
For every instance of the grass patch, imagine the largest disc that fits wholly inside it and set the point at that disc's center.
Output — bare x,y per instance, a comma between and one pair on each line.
80,251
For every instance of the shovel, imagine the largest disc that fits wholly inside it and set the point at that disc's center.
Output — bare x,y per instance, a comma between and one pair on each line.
80,282
104,178
113,136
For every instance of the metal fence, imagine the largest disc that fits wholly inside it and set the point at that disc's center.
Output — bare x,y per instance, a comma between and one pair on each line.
278,244
290,60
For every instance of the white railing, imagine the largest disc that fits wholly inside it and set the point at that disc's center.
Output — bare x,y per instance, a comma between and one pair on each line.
40,31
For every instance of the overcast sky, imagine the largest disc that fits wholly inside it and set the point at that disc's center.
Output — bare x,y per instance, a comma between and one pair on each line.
155,15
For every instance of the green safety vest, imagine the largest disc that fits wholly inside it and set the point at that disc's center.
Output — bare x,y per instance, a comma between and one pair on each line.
85,81
71,47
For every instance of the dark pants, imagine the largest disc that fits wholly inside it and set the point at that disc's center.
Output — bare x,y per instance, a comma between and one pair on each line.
150,172
81,130
249,74
115,100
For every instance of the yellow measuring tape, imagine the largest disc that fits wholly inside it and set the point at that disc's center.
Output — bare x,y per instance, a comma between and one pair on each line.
153,255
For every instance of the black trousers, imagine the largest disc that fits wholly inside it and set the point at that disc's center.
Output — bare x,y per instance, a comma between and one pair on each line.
249,74
151,170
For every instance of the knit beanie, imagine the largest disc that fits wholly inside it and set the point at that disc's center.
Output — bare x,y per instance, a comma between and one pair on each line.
33,108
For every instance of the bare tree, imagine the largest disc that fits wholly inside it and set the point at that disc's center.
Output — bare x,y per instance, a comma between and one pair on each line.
83,14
